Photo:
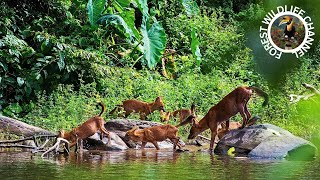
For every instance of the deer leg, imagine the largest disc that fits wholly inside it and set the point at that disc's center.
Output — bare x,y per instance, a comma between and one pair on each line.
246,110
104,131
81,145
175,143
213,137
143,145
227,124
243,114
155,143
77,145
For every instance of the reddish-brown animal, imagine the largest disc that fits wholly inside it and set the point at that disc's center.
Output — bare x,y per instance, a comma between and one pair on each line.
143,108
182,114
235,102
165,116
87,129
155,134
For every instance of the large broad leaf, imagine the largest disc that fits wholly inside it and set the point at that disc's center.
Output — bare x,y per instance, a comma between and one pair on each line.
95,9
191,7
143,7
195,47
120,4
119,23
129,18
154,42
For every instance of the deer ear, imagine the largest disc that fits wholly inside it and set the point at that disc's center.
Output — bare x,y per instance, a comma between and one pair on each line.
61,133
158,99
194,122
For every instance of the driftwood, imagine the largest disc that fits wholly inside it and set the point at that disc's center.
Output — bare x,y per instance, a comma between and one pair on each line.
20,128
56,146
294,98
35,146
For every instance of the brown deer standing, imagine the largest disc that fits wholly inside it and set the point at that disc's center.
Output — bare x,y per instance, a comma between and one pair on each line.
236,101
155,134
143,108
87,129
182,114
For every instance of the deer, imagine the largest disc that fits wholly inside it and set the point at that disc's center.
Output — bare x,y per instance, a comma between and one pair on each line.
87,129
233,103
154,134
182,114
143,108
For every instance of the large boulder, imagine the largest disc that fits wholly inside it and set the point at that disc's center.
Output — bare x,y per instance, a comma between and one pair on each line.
121,126
266,141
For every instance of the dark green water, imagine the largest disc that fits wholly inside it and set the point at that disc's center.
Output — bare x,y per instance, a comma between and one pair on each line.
151,164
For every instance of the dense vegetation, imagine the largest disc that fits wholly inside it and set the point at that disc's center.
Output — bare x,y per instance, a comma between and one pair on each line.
60,57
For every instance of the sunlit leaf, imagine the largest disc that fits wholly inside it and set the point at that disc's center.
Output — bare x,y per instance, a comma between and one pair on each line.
195,47
95,9
61,63
20,81
118,22
154,42
46,46
191,7
143,7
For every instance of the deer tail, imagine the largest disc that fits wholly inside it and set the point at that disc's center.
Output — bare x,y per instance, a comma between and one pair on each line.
115,109
193,108
103,108
186,121
262,94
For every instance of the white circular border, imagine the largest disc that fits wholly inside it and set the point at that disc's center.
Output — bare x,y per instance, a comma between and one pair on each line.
306,30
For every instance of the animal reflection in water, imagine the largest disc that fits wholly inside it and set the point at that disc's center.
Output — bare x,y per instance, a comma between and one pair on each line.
94,158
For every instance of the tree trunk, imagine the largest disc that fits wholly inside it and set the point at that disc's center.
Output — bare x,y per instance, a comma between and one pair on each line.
20,128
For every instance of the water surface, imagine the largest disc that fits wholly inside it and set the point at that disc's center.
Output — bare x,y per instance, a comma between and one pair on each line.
150,164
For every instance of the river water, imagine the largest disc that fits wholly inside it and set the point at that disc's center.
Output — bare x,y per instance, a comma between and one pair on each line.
150,164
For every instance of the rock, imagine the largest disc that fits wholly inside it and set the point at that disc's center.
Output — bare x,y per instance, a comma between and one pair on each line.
121,126
266,141
95,143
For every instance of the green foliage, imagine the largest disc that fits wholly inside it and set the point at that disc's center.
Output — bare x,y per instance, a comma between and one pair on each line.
195,47
116,21
154,42
191,7
95,9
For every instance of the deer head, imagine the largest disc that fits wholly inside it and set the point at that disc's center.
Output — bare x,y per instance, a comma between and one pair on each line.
164,116
195,130
132,134
158,104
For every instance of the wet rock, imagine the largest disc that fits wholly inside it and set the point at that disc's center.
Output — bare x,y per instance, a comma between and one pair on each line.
95,143
121,126
266,141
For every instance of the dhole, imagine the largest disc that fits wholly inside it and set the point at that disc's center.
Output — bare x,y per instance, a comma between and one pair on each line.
229,106
87,129
143,108
182,114
154,134
165,116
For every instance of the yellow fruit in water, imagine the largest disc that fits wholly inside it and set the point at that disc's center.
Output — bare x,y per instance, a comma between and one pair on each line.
231,151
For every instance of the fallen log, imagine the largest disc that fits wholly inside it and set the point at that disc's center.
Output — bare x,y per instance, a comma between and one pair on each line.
20,128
